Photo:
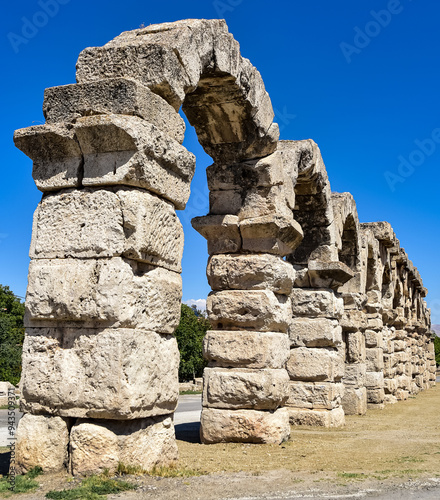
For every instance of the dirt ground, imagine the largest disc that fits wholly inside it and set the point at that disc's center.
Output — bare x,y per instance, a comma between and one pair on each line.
390,450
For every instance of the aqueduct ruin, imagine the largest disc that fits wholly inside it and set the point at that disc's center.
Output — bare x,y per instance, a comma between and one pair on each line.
314,315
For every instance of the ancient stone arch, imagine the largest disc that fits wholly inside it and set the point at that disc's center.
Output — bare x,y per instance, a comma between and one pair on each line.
304,326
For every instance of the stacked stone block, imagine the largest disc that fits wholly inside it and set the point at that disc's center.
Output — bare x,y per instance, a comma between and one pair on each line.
353,325
100,362
249,229
316,363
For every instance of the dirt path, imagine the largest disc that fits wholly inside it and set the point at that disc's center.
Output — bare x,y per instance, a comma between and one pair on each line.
396,451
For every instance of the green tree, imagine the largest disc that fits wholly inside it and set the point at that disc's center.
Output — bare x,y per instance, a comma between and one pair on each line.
189,334
437,349
11,335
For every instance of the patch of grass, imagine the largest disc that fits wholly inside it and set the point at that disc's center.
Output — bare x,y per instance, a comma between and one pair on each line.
23,483
184,393
135,470
92,488
173,472
351,475
404,460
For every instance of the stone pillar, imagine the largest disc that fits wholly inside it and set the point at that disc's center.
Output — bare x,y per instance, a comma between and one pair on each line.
100,362
249,229
316,362
353,325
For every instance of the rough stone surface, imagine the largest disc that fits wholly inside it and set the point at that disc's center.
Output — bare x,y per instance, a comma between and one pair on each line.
321,395
119,96
221,231
127,150
250,272
252,310
354,400
41,441
246,349
316,303
97,445
114,374
244,426
311,364
314,332
263,389
317,418
107,292
56,155
270,234
108,223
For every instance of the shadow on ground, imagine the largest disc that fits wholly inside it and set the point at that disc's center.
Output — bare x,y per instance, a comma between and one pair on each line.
188,432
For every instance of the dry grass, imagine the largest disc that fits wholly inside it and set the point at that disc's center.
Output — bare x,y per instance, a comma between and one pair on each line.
402,439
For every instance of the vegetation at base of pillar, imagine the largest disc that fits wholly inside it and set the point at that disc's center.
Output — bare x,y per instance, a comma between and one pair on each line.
11,335
189,334
437,349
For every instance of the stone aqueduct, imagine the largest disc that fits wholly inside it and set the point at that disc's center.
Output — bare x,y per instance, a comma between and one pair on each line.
314,314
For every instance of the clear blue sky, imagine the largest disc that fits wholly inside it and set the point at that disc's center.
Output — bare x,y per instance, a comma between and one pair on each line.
372,104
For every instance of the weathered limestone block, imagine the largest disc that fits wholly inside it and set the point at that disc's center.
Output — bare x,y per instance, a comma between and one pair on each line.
275,234
250,203
246,349
113,374
323,274
316,303
119,96
315,332
374,322
317,418
250,272
262,172
374,380
389,399
354,400
353,320
56,155
152,229
77,223
373,339
355,374
97,445
374,359
402,395
310,364
108,223
400,345
322,395
41,441
355,347
375,396
103,292
221,231
259,310
244,426
390,385
127,150
258,389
